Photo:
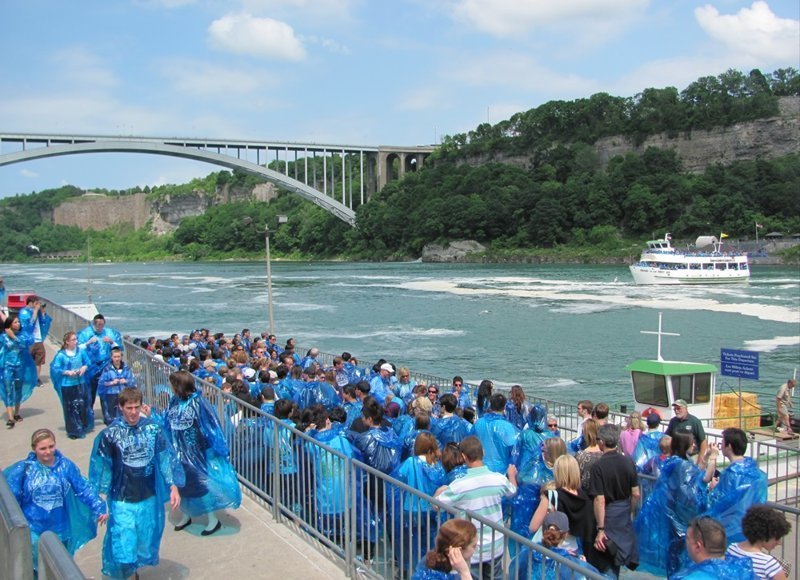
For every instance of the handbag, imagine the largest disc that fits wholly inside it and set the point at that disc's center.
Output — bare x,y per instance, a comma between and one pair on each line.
552,505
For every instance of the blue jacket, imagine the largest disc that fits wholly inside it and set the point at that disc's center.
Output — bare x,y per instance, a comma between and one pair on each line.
499,437
741,485
28,325
110,374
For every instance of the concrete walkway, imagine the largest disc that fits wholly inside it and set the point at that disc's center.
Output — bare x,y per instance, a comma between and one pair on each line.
250,544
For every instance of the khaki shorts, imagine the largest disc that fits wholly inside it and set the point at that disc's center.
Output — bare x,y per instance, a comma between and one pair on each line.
38,353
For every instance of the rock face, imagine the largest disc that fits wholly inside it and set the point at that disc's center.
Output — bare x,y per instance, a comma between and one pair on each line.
454,252
773,137
100,211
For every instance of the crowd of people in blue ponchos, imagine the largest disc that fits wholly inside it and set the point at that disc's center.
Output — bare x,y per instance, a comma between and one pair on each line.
580,498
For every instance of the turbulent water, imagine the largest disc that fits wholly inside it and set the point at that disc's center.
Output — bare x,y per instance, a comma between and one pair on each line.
564,332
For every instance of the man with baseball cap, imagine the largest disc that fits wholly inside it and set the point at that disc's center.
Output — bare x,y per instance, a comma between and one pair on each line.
684,422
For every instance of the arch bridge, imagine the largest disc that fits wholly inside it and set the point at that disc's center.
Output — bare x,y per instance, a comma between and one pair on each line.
337,178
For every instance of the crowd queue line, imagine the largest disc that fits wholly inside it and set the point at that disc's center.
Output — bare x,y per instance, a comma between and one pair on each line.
450,447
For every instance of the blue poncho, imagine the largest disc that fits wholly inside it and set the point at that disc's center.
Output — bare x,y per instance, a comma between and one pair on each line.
99,351
379,448
56,499
453,429
647,448
18,371
422,572
28,325
415,522
729,568
111,373
533,565
517,416
73,391
329,470
679,496
194,430
498,437
134,465
741,485
317,392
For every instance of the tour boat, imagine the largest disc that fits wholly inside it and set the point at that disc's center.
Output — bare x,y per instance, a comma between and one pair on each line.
705,264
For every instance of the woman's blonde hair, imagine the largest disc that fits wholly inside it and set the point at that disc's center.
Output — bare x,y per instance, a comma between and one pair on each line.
567,473
590,433
553,448
635,421
40,435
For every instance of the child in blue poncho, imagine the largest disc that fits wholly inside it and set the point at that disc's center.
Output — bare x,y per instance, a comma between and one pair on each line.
54,496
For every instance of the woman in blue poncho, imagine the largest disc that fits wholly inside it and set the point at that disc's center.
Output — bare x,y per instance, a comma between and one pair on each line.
449,559
679,495
54,496
330,475
415,520
194,430
18,370
68,373
380,448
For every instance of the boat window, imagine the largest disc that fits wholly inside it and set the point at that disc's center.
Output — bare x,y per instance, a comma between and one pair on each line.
682,388
692,388
702,387
649,389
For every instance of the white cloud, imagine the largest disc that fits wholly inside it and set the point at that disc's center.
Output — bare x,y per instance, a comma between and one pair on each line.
420,100
754,32
259,37
517,17
521,72
80,67
328,44
28,173
203,79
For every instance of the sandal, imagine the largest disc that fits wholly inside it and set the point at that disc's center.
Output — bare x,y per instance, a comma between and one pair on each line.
10,424
18,418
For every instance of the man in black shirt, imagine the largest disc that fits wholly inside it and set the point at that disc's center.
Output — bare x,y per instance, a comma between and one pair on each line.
615,488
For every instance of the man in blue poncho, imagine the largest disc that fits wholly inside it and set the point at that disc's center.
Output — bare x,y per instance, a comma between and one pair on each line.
98,340
35,324
706,543
134,465
450,428
741,485
381,384
497,434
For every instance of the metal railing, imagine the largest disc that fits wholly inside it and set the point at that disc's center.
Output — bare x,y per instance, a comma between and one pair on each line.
16,557
55,562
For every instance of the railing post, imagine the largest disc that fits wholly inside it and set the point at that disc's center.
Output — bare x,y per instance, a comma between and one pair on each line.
16,559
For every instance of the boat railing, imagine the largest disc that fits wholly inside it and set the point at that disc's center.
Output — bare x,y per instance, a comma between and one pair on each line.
16,560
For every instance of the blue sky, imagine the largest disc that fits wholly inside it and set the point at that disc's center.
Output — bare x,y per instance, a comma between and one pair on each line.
363,72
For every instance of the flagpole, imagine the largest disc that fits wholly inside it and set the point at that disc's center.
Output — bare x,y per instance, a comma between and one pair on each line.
756,235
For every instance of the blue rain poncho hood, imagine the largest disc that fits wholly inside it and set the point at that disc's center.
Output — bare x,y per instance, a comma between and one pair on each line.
380,448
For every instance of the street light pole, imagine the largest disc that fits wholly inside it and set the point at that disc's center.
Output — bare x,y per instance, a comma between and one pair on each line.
269,282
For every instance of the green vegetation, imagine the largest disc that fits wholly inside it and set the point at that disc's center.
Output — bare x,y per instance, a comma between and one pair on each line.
562,206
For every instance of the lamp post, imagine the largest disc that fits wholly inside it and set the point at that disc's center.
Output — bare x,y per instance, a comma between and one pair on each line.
282,219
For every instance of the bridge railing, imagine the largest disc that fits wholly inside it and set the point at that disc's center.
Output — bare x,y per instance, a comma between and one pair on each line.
55,562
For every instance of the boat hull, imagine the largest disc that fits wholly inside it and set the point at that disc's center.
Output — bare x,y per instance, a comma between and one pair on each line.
649,275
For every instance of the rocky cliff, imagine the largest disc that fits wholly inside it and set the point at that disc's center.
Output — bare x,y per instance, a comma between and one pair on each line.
99,211
773,137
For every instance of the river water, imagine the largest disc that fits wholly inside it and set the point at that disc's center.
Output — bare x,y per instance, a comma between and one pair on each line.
565,332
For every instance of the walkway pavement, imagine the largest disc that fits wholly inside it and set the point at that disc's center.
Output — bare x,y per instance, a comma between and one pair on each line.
250,544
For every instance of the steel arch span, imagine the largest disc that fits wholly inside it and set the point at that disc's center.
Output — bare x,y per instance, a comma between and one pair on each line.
329,204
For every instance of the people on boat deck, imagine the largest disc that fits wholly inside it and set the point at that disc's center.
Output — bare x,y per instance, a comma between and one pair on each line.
35,323
98,340
18,370
116,375
498,435
684,422
68,373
